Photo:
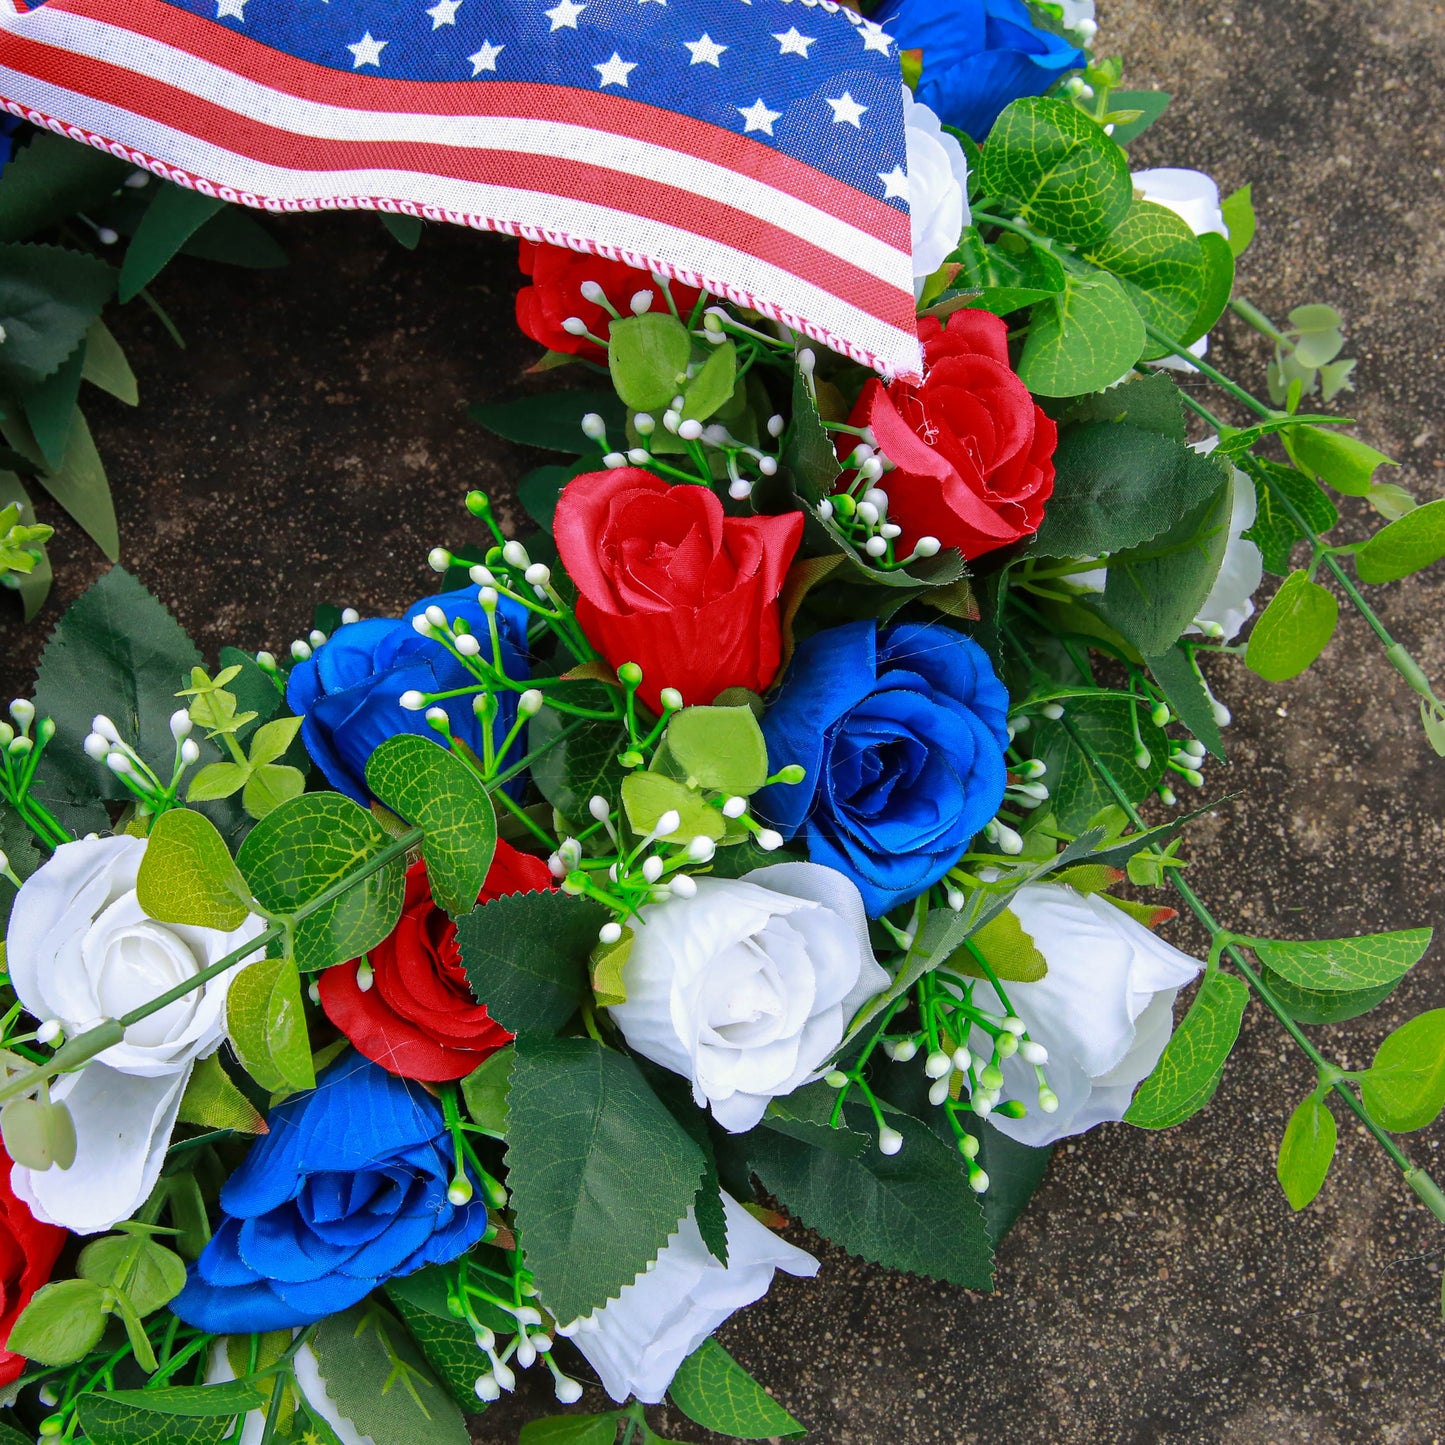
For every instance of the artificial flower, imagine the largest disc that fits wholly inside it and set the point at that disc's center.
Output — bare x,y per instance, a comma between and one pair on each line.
28,1250
1104,1010
1194,198
349,1188
666,580
81,949
973,454
979,55
637,1341
555,296
902,734
349,690
937,188
416,1015
747,987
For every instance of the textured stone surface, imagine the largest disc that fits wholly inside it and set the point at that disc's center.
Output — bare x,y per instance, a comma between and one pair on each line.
311,446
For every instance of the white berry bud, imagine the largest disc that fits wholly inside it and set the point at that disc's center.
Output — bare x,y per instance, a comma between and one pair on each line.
641,302
96,747
768,466
684,887
539,574
875,546
190,752
468,645
927,546
776,425
701,849
439,559
349,615
668,824
671,698
652,868
904,1050
574,326
735,807
769,840
610,933
1033,1053
937,1065
890,1141
598,806
180,724
690,430
99,723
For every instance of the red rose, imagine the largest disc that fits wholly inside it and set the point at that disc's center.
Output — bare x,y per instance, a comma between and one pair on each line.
665,580
974,456
556,293
27,1254
419,1018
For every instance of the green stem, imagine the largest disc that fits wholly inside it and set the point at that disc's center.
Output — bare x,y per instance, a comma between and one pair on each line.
1256,318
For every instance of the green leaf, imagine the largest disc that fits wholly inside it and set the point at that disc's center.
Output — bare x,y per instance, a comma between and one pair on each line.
79,484
269,786
49,297
714,1391
1010,952
1155,590
1238,211
647,796
526,955
1083,340
721,747
405,230
1344,965
267,1025
271,739
115,651
552,420
571,1430
449,1346
1107,727
61,1324
188,876
1306,1151
806,1115
107,1421
1159,260
233,1397
1179,681
485,1091
1293,630
809,457
50,406
106,367
589,1219
647,356
576,765
1117,486
235,238
1058,170
436,791
1150,104
33,586
1150,403
1187,1075
174,215
1404,1087
911,1211
1216,290
1417,540
214,1102
217,780
1344,462
144,1269
713,385
1324,1006
294,854
378,1379
52,178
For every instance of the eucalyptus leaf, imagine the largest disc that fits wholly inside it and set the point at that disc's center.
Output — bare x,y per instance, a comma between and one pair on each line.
188,876
647,356
267,1024
1083,340
721,747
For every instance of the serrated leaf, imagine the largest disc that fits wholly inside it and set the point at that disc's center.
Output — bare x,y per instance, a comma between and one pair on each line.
188,875
1149,402
809,457
296,853
436,791
912,1211
171,219
714,1391
115,1422
1187,1075
356,1353
1158,258
1084,339
1058,170
1416,540
588,1218
50,406
647,356
1404,1087
1238,209
1306,1151
267,1024
1178,679
449,1346
577,765
807,1115
212,1101
552,420
526,956
1293,630
49,296
1343,965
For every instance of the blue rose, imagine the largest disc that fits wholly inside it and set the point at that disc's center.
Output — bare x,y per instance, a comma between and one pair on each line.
349,1188
978,55
349,691
902,733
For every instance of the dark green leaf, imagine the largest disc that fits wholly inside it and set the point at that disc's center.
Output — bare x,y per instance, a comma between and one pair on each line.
1404,1087
449,1346
571,1430
1306,1151
526,954
79,484
406,230
1107,727
108,1421
713,1390
1150,403
48,299
106,366
173,216
588,1217
234,1397
52,178
809,457
1179,681
50,406
235,238
552,420
1187,1075
1293,630
580,766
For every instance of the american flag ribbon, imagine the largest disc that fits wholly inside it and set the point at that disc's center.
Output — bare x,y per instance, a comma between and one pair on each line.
752,147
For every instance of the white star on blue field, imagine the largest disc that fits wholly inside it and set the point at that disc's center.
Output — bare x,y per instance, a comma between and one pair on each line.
805,81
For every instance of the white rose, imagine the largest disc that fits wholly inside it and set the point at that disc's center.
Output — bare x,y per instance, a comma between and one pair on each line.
1194,198
307,1369
1104,1011
81,949
637,1341
748,987
937,188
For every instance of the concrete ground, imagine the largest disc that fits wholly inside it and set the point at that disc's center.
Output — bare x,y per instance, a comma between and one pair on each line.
310,445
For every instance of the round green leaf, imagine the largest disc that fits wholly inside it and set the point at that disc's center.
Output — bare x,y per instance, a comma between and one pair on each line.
1293,630
39,1133
713,385
147,1271
1082,340
1404,1087
720,747
647,356
188,876
1416,540
1306,1151
62,1324
267,1025
1058,170
647,796
1159,259
1218,285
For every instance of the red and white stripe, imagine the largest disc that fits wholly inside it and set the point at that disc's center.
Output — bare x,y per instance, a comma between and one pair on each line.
207,107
